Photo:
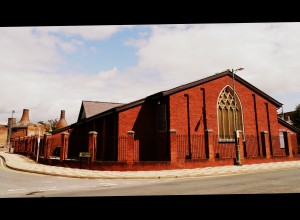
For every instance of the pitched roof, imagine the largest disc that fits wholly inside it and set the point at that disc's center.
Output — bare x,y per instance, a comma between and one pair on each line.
91,108
199,82
219,75
121,107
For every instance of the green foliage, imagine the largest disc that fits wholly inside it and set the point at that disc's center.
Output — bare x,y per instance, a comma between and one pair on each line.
295,117
52,124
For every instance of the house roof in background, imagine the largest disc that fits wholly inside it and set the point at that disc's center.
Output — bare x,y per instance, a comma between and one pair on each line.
288,125
287,113
91,108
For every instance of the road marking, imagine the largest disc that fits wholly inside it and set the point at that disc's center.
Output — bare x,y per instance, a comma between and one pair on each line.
13,190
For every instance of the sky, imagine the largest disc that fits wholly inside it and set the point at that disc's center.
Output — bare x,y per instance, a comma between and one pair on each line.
47,69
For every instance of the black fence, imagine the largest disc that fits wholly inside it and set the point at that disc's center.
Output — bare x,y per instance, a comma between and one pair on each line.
188,147
192,146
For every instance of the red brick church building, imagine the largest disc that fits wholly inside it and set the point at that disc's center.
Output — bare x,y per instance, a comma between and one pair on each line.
202,123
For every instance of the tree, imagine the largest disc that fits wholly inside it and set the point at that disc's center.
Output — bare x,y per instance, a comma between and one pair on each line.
53,124
295,117
50,126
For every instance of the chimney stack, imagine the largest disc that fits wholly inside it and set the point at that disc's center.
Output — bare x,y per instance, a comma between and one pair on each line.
25,117
12,121
62,121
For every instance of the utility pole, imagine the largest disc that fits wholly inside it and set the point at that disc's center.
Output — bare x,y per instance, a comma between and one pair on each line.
38,145
236,131
9,130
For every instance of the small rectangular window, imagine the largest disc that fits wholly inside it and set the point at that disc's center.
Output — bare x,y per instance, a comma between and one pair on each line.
281,139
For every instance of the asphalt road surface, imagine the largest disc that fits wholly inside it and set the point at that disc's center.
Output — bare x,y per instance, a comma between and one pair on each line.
275,182
22,184
17,184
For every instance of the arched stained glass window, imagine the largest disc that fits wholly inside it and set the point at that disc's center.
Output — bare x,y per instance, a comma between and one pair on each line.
226,118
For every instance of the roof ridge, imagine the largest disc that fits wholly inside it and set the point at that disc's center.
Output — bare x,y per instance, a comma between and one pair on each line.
198,80
103,102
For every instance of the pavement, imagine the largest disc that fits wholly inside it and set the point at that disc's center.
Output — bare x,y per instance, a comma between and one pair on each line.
23,163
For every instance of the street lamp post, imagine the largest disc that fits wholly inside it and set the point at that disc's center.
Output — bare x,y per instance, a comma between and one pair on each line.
236,134
9,130
38,145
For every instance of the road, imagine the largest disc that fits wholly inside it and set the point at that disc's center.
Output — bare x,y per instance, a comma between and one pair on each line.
275,182
17,184
20,184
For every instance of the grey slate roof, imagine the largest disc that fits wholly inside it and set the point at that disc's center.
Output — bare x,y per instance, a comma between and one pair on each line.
91,108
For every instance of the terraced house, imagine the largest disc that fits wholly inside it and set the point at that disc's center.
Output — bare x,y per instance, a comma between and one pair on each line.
218,120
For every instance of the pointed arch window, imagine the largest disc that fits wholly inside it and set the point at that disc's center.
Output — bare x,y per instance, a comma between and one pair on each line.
225,111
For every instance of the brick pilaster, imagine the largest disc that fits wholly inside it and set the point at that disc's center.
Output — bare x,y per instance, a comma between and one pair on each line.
265,144
64,146
173,146
93,144
35,144
288,143
129,148
209,142
47,146
241,145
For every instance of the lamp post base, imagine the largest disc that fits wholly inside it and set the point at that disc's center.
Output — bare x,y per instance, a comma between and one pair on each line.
188,156
237,162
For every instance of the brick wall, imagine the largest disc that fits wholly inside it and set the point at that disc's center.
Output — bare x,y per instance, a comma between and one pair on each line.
178,109
152,142
141,119
294,141
18,132
127,119
154,145
3,135
55,142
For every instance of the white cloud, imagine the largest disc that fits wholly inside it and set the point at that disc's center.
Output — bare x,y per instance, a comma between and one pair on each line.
167,57
21,50
45,95
29,59
268,52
